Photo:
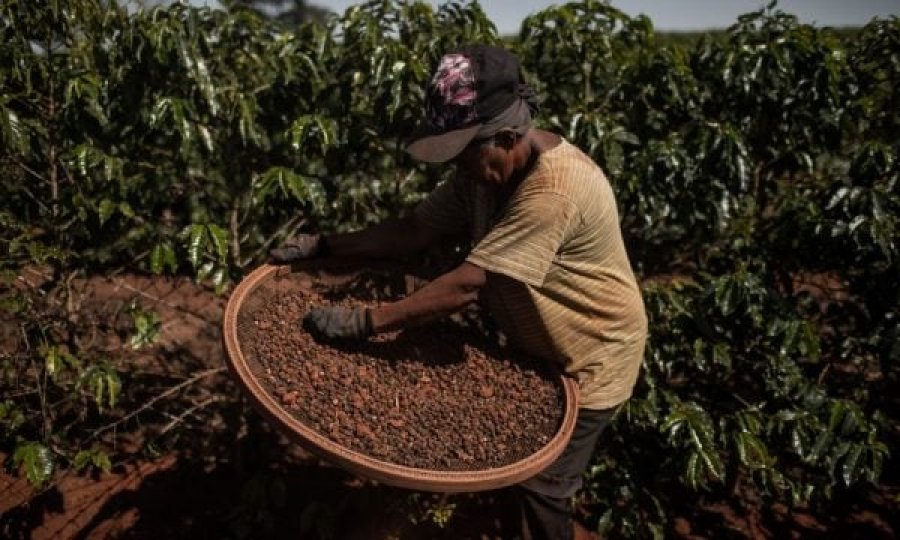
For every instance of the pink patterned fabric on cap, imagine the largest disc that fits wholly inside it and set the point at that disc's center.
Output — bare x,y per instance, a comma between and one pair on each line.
451,97
475,90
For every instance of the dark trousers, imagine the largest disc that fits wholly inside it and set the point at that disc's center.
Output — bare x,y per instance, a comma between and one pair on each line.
545,501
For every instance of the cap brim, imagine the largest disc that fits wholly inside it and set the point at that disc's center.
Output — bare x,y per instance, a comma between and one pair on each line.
434,147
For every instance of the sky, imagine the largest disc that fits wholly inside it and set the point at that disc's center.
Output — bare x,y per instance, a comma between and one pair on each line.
677,14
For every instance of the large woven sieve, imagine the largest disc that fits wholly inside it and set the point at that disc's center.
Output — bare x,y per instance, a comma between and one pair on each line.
248,375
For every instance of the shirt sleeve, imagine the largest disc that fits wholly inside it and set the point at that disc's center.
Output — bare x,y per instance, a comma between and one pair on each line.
445,209
528,237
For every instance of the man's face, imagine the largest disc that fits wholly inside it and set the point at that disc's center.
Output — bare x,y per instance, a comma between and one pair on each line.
488,160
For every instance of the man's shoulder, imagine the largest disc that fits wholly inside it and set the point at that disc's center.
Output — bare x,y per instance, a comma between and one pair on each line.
566,171
568,155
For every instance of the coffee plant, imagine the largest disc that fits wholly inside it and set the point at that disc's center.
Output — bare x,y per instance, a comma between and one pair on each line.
188,141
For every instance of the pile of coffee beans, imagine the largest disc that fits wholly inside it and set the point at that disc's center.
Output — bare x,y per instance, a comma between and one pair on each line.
436,397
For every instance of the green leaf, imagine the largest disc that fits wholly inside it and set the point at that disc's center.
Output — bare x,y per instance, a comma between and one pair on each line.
161,257
206,137
102,381
822,442
12,134
721,355
57,359
205,271
81,459
126,209
692,470
624,136
196,243
247,126
107,207
53,361
693,422
220,279
751,450
95,456
113,387
36,460
849,473
725,294
11,417
313,131
219,237
146,327
101,461
161,109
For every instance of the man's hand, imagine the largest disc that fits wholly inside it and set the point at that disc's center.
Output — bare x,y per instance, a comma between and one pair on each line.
300,247
339,322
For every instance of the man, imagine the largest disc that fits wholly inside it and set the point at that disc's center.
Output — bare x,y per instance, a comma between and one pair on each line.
548,256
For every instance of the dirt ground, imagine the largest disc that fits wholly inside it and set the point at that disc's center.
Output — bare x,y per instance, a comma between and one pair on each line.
207,467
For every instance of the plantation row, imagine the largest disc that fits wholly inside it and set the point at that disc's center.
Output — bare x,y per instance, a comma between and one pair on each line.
182,140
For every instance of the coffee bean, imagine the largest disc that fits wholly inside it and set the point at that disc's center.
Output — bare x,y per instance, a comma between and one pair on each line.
439,397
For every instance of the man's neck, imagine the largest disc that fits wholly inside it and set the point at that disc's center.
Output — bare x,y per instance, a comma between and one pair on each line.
531,148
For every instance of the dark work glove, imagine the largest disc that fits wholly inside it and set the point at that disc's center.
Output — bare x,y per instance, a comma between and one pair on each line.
300,247
339,322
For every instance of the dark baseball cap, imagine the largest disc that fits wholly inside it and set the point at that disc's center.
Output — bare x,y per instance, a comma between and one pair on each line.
472,90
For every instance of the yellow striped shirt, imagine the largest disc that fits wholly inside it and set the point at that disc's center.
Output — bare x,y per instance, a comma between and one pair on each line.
559,281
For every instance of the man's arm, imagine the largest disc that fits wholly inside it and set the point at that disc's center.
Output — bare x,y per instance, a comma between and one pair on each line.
442,297
390,238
